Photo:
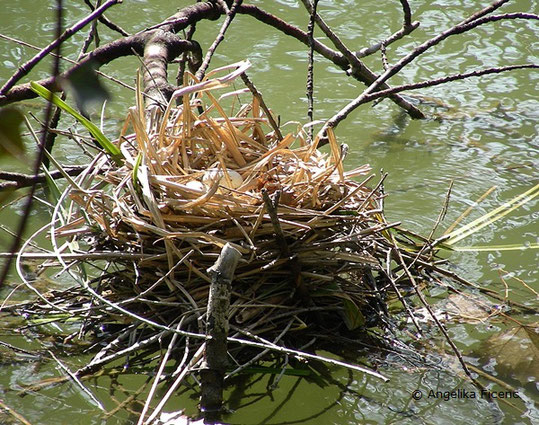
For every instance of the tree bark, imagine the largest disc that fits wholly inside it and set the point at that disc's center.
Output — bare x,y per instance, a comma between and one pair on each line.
216,354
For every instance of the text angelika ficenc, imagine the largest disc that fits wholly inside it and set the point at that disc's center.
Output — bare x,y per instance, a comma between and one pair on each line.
464,394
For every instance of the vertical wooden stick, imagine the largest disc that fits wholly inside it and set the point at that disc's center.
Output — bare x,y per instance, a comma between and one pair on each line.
216,355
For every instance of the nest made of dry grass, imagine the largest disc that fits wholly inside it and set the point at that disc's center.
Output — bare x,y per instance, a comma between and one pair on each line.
196,177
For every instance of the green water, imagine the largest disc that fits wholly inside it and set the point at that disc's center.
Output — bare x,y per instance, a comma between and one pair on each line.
487,137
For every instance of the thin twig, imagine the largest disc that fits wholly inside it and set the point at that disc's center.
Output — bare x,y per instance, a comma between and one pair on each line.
105,21
460,28
40,154
263,105
407,27
185,56
366,51
31,46
483,12
84,256
310,69
402,300
443,211
440,326
302,354
254,359
356,68
77,381
92,35
443,80
195,360
220,37
27,67
101,361
13,413
343,58
295,267
33,355
158,375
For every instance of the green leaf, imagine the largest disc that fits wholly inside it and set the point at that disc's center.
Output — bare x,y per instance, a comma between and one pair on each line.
105,143
353,317
11,143
54,191
53,318
138,161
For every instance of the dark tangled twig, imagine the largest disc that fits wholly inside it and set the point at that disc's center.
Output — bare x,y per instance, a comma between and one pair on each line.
27,67
460,28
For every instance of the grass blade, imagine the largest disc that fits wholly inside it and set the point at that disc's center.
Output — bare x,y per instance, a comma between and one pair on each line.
487,248
103,141
492,216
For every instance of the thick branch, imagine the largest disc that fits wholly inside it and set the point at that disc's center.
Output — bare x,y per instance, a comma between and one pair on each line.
277,23
161,48
181,20
407,12
209,10
216,353
189,15
134,44
17,180
175,23
31,46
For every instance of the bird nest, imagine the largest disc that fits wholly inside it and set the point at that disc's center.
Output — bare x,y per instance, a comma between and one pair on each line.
316,250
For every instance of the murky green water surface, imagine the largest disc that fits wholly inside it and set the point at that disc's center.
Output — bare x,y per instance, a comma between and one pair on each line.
487,136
